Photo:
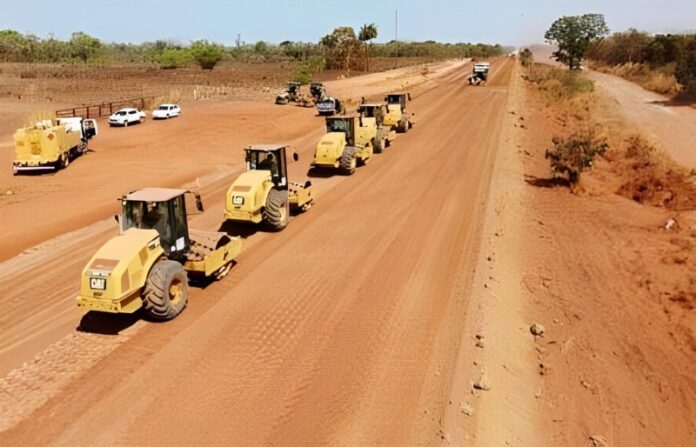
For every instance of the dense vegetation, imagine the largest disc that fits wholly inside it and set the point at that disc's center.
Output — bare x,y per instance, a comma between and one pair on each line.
669,53
341,49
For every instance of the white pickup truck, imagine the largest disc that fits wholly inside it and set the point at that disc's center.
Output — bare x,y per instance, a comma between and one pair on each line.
126,116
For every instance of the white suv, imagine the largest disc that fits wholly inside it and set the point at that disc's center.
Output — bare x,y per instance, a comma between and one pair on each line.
166,111
126,116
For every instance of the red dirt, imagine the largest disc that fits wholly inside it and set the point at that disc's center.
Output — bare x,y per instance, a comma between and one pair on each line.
370,317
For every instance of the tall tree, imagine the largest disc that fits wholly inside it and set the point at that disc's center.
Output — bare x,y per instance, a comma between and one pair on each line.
366,34
572,35
342,43
83,46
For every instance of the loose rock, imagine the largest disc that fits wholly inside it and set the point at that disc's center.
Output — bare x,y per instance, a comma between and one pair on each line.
598,441
483,383
536,329
466,408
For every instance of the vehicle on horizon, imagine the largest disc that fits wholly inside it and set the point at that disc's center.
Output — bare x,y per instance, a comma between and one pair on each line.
479,75
166,111
126,116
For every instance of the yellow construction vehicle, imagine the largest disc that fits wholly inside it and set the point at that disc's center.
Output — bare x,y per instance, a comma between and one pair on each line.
373,119
398,116
346,143
263,193
149,263
51,144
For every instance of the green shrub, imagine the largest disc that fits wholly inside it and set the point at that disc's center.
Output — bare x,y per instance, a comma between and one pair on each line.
572,155
526,58
206,54
173,58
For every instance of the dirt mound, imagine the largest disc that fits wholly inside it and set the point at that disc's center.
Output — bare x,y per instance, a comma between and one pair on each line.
652,178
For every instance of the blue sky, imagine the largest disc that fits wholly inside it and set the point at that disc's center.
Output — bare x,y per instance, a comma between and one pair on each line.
501,21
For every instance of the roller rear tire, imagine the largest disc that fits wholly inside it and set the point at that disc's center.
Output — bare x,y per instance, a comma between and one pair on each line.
276,213
166,290
348,161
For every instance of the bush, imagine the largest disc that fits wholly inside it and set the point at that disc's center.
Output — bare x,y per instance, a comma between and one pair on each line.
206,54
686,68
526,58
173,58
572,155
303,75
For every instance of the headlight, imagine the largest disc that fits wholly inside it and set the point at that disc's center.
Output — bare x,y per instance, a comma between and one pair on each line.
238,200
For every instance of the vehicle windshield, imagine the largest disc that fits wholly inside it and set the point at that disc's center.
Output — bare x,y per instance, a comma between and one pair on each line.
338,125
164,107
368,112
169,221
394,99
263,160
121,113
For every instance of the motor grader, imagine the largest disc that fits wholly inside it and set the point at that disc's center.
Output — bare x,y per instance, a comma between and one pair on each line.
373,119
263,193
149,263
397,115
291,94
346,144
479,74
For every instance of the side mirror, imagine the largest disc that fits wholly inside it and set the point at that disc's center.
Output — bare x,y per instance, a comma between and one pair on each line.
295,157
199,202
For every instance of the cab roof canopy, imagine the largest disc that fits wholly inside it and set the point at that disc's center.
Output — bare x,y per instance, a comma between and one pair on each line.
372,104
344,116
154,194
266,147
397,93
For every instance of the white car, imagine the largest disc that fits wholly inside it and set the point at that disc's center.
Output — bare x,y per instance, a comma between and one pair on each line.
126,116
166,111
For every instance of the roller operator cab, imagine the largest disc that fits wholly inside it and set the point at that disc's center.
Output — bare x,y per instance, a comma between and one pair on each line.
346,144
263,194
149,263
372,115
398,115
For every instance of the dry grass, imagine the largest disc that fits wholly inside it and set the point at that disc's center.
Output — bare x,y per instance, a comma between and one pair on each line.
559,84
660,80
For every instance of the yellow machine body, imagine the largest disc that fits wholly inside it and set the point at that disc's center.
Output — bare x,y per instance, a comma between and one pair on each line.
43,145
330,147
113,279
249,191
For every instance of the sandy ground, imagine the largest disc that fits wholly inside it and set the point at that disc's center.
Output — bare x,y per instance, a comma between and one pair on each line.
307,338
395,312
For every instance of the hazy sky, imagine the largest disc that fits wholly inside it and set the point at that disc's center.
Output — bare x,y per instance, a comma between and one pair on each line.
502,21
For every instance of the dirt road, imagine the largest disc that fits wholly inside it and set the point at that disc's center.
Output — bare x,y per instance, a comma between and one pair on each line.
343,328
670,124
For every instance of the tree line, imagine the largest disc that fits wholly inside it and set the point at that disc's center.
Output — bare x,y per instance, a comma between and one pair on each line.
587,36
343,48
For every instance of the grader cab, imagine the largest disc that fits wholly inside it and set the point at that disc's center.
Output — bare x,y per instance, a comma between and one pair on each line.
372,115
346,143
149,263
263,193
397,115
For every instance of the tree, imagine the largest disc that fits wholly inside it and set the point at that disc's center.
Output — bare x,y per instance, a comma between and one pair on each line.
366,34
206,53
686,67
83,46
342,44
572,35
172,58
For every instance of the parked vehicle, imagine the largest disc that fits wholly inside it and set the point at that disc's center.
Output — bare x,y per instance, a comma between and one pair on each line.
125,117
166,111
51,144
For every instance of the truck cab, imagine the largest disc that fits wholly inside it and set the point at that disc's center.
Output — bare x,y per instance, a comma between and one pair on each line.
397,115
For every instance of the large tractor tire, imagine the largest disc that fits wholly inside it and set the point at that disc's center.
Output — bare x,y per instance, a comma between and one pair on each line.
380,144
403,125
166,290
276,213
349,160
